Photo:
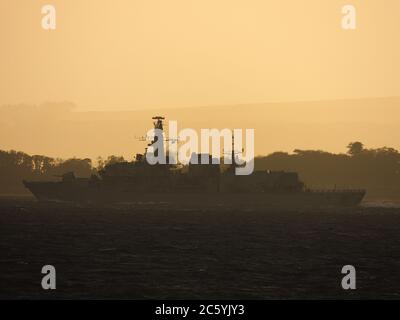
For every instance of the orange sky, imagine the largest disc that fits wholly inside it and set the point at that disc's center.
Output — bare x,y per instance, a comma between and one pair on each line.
122,54
110,55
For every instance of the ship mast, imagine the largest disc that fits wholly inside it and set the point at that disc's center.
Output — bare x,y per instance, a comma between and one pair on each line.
233,151
158,124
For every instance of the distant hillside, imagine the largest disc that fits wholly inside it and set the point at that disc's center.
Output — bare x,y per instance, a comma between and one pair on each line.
58,130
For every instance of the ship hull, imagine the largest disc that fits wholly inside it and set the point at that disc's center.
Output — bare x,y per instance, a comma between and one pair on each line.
84,193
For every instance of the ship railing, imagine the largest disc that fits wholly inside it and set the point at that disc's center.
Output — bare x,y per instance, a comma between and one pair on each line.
335,190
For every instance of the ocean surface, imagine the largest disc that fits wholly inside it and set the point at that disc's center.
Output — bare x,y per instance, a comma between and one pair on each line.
147,251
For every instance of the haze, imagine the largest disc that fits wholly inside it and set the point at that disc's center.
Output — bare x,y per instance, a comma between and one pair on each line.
113,55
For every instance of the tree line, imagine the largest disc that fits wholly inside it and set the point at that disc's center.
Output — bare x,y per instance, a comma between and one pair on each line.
16,166
377,170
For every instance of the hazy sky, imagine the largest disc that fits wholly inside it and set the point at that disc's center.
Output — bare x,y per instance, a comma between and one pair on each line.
119,54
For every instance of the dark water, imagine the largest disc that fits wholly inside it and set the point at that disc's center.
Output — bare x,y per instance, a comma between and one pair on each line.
142,252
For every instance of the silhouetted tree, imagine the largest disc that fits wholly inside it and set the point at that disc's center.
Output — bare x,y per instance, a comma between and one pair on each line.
102,163
355,148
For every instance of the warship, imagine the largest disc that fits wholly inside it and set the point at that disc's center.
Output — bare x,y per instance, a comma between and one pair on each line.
192,185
